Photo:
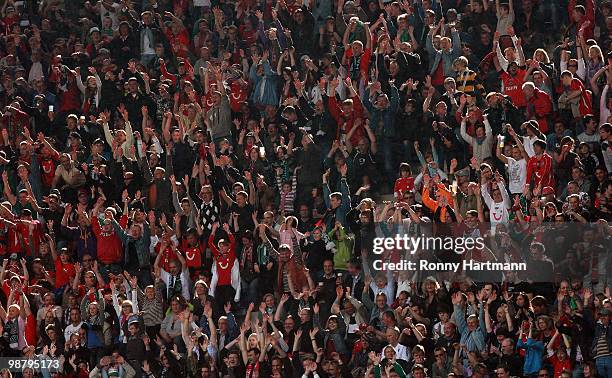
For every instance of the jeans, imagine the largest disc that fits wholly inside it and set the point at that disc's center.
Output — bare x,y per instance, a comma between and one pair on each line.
147,59
144,277
105,269
385,148
578,371
604,366
249,292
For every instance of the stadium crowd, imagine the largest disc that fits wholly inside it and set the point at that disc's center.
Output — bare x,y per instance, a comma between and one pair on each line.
194,187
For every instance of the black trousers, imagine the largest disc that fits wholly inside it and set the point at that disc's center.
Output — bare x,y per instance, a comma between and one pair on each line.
223,295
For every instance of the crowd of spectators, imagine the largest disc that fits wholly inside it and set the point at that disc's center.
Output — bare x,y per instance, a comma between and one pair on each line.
194,187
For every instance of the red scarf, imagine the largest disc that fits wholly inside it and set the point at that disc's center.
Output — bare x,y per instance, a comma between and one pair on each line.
252,370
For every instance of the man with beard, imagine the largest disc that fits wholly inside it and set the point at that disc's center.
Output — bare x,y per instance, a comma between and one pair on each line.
158,188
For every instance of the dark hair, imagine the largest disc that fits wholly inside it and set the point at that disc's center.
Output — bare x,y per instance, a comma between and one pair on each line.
405,167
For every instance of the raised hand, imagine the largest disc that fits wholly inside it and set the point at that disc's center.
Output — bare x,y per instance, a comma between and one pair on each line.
456,298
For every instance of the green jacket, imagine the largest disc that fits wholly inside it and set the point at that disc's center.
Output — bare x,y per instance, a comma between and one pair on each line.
344,248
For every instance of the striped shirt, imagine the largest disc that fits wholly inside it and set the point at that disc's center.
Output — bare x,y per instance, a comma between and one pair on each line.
467,82
287,199
153,312
601,348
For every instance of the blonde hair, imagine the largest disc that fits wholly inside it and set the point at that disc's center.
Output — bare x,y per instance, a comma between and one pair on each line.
546,57
598,50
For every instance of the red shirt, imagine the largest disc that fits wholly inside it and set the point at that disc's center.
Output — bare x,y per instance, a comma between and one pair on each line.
70,100
24,231
238,95
14,242
110,248
30,330
540,168
558,365
207,101
513,86
225,262
48,166
179,42
347,121
363,61
403,185
64,273
168,255
193,255
10,21
589,6
248,36
585,100
7,289
539,107
438,76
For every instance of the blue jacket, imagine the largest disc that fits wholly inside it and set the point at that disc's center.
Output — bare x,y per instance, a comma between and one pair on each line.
141,245
473,340
341,211
265,92
387,115
533,355
445,57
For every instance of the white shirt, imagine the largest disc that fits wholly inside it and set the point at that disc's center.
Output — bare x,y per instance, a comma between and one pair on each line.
401,352
114,15
70,329
36,72
586,138
498,211
528,144
517,175
168,279
148,46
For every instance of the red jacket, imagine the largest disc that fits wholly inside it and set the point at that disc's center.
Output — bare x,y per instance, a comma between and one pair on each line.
589,6
70,100
347,121
110,248
539,107
540,169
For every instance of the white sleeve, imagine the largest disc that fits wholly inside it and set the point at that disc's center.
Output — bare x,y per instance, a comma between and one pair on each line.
80,84
135,300
165,276
603,104
581,72
468,139
505,196
503,62
484,190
